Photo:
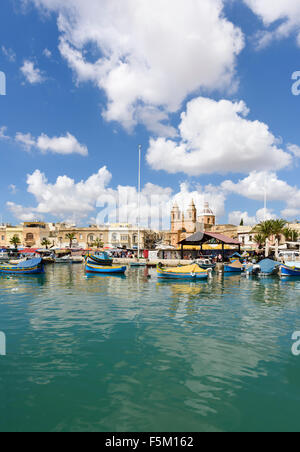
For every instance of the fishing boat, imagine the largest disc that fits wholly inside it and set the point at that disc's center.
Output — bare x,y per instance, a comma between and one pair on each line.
92,267
138,264
190,272
101,258
266,267
205,264
290,269
234,267
68,260
29,267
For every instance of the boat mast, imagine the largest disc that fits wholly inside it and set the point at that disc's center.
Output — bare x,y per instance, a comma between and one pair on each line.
139,201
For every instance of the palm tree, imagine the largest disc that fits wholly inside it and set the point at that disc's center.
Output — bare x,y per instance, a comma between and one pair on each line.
270,228
290,235
15,241
260,239
71,237
98,243
46,243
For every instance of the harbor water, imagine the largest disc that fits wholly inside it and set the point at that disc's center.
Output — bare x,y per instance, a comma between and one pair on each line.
131,354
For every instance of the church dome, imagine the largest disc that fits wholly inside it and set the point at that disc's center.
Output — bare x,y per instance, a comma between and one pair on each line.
207,211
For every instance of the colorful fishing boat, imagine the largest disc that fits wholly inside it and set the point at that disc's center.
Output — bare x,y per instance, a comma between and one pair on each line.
234,267
30,267
92,267
101,258
190,272
290,270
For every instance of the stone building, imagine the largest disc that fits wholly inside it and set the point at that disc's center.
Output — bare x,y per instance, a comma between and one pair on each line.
184,224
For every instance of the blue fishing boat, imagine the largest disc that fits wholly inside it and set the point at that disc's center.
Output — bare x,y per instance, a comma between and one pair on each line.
188,272
266,267
288,270
30,267
92,267
101,258
234,267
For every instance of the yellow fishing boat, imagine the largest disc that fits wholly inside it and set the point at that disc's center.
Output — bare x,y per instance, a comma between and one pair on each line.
191,272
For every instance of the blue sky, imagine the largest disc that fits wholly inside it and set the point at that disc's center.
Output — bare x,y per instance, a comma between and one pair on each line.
79,100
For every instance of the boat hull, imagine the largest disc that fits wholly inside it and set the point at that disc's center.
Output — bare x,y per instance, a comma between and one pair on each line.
289,271
90,268
181,276
17,271
230,269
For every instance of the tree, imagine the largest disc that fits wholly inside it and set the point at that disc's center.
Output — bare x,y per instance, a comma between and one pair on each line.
260,239
290,235
151,239
98,243
242,222
15,241
46,243
71,237
270,228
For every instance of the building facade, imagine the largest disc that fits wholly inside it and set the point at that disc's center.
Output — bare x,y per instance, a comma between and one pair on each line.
184,224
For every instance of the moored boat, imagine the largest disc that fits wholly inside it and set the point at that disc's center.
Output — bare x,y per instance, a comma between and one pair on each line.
235,267
266,267
92,267
101,258
287,270
190,272
29,267
205,264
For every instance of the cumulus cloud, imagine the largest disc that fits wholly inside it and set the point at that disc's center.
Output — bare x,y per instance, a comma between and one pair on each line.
32,74
261,215
254,186
3,135
64,145
9,53
217,137
68,200
151,55
284,14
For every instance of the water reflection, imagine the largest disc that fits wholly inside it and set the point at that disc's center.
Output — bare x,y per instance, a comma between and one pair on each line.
136,353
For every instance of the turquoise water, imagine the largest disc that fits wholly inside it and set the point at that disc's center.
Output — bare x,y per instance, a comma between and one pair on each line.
133,354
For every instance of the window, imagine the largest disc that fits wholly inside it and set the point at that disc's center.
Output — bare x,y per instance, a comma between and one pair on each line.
80,237
114,237
124,238
29,237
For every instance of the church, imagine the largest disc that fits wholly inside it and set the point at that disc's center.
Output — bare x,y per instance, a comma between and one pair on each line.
184,224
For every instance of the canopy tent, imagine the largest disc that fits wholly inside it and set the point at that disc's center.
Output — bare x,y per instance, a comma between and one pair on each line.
201,238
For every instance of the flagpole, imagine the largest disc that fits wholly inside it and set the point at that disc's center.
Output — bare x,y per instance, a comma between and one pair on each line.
139,201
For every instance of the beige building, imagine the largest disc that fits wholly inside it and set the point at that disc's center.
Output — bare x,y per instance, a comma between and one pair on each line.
184,224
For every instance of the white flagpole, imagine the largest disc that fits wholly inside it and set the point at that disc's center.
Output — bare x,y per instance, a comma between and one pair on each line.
139,201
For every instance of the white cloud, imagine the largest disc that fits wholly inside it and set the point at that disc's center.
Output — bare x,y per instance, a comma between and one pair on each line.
236,217
64,145
294,149
253,186
26,139
32,74
216,137
13,189
261,215
152,55
47,53
285,12
73,201
9,53
3,130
